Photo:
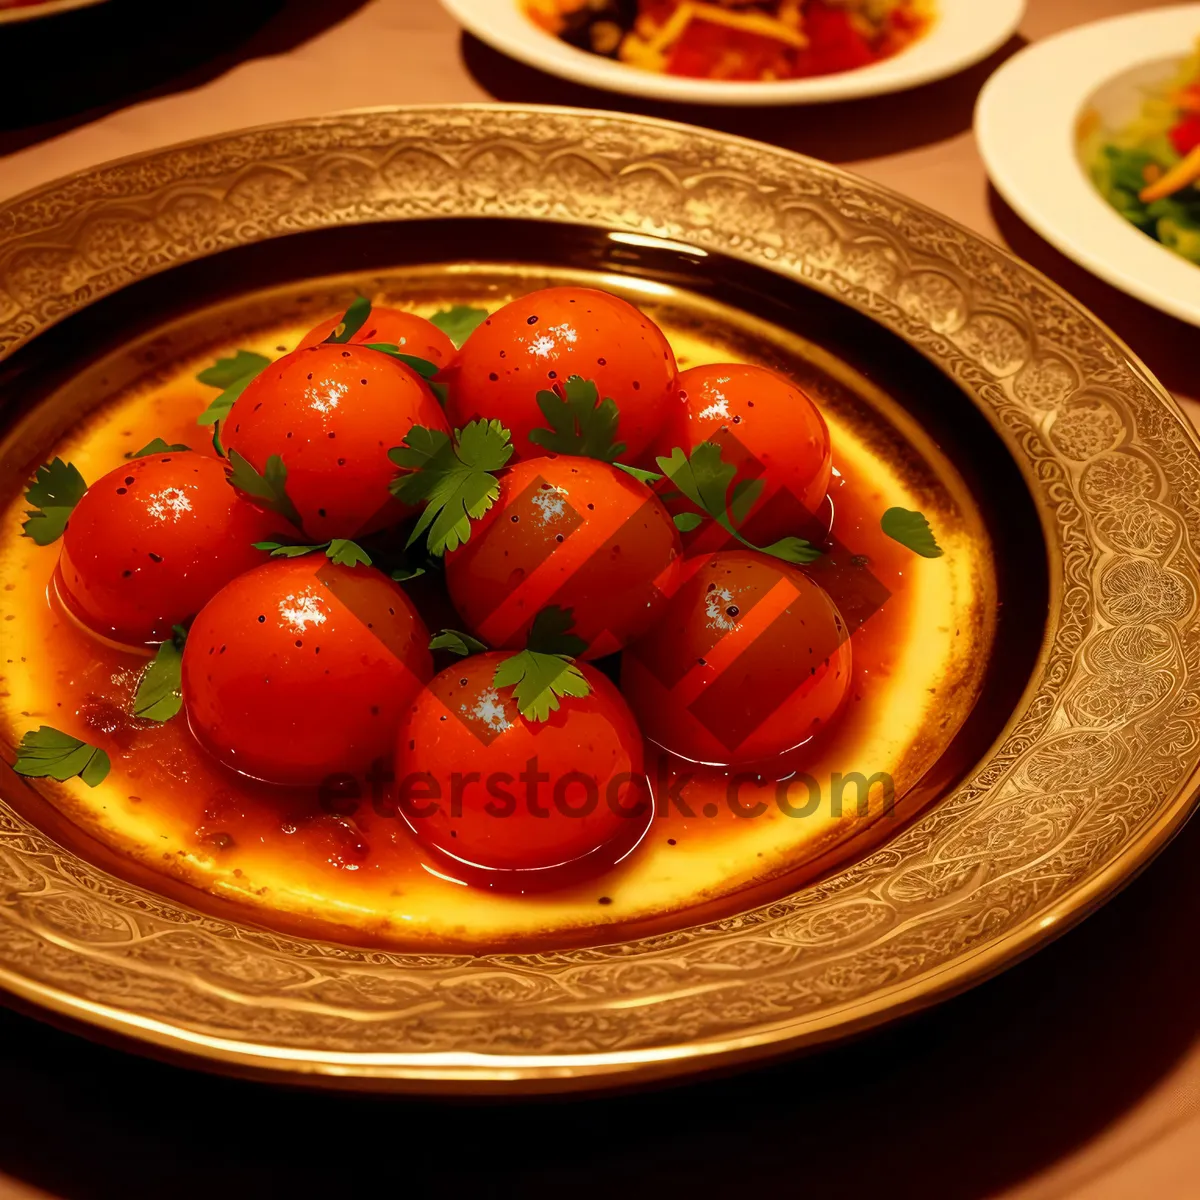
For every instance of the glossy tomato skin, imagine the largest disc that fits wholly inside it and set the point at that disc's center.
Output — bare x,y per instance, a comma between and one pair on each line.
573,533
301,670
332,413
153,541
494,791
542,339
769,428
750,660
392,326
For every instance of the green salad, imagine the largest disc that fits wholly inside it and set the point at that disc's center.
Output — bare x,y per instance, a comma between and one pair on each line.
1149,170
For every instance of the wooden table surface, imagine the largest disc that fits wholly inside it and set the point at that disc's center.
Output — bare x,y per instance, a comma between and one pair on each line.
1075,1074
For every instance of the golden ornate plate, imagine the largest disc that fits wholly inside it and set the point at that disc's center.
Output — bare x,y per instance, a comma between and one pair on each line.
42,8
1087,769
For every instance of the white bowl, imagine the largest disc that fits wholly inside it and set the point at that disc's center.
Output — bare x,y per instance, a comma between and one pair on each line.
965,32
1027,124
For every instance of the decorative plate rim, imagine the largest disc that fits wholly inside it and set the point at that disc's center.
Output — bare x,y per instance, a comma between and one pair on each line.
1095,771
46,8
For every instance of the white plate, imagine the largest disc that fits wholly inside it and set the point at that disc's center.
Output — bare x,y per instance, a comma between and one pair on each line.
1027,125
965,32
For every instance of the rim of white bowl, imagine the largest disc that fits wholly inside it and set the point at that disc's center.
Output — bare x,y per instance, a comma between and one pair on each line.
1027,130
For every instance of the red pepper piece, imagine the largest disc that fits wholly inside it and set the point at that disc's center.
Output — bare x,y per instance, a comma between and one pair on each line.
1185,137
834,43
709,51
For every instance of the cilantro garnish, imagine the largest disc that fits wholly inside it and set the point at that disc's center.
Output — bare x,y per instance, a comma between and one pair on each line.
459,322
158,446
53,493
745,495
352,321
649,478
580,422
225,372
550,633
705,479
453,477
159,695
346,553
462,644
339,550
268,489
231,375
685,522
47,752
911,529
422,366
404,574
545,672
427,370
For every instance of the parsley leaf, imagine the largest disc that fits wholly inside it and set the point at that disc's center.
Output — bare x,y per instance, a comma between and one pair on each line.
47,752
231,375
539,681
159,694
550,633
792,549
911,529
227,371
649,478
459,322
745,495
422,366
53,492
346,553
158,446
580,422
453,478
352,321
269,489
704,478
339,550
403,574
427,370
685,522
545,672
287,550
462,644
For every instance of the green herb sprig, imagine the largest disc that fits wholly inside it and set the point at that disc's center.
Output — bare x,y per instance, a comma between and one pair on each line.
544,673
55,490
160,692
453,477
48,753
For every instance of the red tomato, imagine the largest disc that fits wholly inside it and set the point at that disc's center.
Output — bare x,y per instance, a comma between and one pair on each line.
1185,136
707,50
414,335
571,532
544,338
302,670
751,659
834,43
151,542
480,783
332,413
770,429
